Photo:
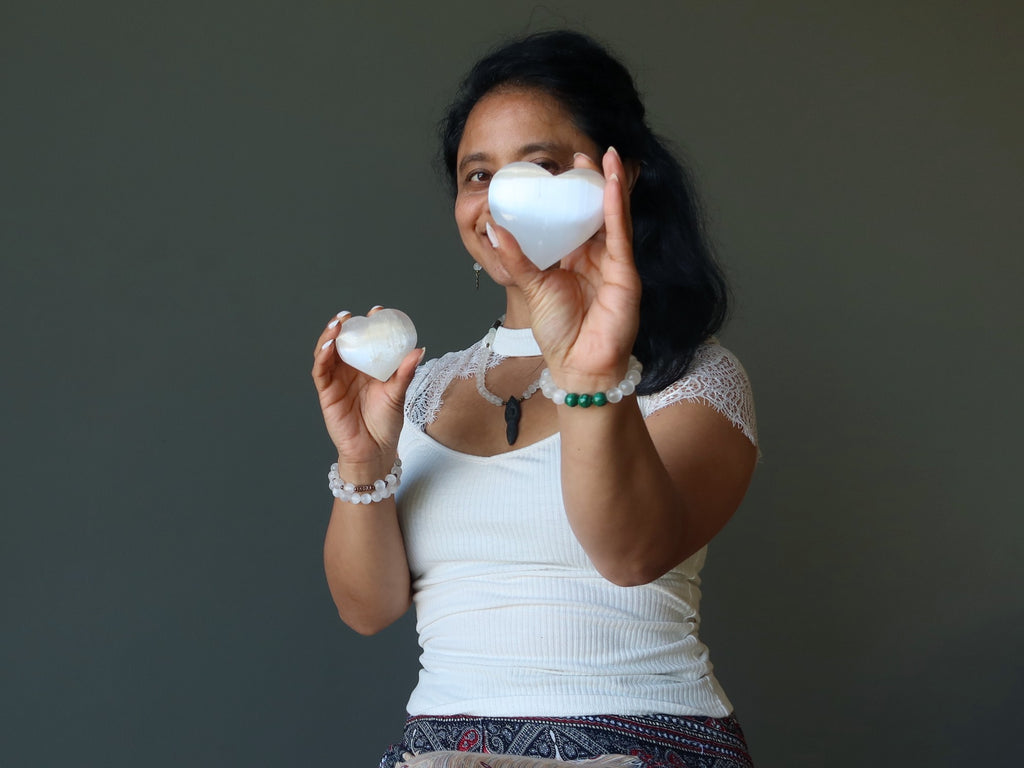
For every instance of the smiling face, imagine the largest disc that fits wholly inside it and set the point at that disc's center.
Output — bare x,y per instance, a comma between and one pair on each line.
505,126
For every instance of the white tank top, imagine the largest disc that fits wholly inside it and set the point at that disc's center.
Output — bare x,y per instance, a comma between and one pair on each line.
512,617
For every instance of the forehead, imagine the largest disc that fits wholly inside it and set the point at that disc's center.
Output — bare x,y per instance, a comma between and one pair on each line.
508,117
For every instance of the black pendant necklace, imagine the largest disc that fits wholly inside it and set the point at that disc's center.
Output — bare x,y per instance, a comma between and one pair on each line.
513,406
513,412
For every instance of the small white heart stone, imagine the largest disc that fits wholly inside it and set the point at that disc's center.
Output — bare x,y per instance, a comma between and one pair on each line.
549,216
376,345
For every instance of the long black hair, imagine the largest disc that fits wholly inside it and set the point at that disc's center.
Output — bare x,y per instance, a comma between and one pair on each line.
685,297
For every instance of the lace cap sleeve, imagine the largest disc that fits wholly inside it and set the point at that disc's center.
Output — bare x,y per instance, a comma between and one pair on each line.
425,395
717,379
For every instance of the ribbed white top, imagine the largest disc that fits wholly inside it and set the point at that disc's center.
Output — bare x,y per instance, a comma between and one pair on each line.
512,617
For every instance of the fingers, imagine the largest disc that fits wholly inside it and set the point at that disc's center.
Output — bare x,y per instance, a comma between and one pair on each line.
330,332
334,328
618,233
325,359
615,172
618,225
324,366
580,160
519,268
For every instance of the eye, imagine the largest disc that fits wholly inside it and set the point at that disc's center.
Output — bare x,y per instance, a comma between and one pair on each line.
548,165
478,177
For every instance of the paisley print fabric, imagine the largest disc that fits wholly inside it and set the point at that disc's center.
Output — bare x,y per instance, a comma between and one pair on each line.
656,741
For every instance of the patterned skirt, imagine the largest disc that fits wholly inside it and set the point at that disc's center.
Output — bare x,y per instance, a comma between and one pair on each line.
657,741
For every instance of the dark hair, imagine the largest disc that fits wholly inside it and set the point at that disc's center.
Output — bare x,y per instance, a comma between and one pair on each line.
685,297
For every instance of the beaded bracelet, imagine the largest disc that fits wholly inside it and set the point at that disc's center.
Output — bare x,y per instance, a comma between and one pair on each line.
624,388
365,494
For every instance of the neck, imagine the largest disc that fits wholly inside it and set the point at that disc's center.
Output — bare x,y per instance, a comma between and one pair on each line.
517,312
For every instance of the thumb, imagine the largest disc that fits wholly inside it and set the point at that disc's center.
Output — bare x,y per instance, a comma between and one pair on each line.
402,377
520,269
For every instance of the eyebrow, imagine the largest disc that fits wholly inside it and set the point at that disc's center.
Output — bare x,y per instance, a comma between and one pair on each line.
539,146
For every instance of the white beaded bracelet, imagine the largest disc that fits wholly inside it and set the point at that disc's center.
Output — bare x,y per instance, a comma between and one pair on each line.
365,494
624,388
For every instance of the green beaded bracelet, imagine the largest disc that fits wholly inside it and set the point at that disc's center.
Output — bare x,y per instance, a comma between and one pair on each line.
572,399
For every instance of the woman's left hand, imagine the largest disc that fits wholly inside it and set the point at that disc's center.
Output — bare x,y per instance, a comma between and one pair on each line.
585,313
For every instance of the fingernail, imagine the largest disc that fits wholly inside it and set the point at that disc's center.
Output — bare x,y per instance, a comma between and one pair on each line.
326,344
343,314
614,151
491,236
333,323
580,154
374,308
423,354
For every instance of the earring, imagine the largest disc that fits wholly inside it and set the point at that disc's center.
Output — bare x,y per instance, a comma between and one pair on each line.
476,273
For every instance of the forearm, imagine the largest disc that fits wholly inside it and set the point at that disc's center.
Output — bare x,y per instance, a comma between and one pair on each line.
366,566
620,500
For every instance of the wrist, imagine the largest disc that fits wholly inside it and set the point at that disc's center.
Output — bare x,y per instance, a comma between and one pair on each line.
575,389
364,471
355,491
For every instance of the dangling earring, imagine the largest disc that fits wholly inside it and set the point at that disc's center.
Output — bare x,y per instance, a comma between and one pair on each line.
476,273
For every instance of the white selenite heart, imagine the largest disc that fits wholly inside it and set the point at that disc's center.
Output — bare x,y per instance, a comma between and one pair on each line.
376,345
550,216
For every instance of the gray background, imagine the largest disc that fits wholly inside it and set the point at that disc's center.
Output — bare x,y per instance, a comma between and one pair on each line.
188,191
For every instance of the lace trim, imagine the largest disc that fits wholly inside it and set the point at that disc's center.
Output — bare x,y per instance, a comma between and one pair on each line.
425,397
716,378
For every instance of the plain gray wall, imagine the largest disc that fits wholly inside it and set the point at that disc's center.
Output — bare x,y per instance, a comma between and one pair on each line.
188,191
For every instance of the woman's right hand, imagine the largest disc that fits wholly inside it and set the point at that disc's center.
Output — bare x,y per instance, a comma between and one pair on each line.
363,415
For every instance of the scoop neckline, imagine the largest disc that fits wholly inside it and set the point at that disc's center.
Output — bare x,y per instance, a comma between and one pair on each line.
476,457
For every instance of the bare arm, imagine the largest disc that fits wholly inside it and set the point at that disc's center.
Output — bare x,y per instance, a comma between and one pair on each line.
365,563
641,496
364,554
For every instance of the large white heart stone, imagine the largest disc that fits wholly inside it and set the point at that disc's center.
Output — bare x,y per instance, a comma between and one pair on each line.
549,216
376,345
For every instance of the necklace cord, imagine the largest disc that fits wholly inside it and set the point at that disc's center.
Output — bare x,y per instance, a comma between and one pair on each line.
513,405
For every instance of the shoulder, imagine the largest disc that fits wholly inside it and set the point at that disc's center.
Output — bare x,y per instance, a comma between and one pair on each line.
716,378
425,395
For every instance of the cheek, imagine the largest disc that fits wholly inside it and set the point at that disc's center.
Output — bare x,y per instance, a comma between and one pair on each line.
468,209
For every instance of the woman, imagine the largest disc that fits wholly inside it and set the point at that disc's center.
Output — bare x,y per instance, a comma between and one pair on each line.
554,566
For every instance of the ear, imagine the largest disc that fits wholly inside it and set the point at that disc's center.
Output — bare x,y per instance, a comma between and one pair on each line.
632,173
